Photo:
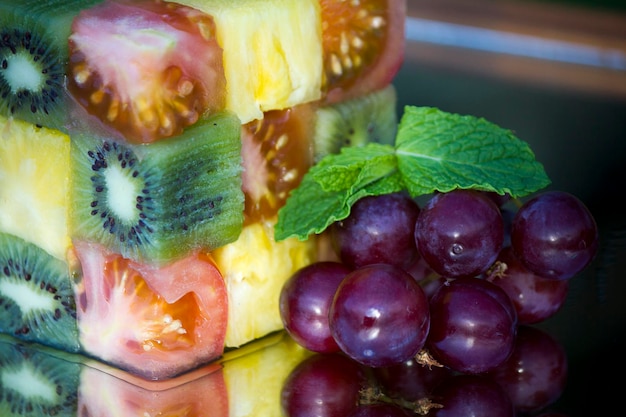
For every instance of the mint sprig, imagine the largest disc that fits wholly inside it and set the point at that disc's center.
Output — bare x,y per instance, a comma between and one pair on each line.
434,151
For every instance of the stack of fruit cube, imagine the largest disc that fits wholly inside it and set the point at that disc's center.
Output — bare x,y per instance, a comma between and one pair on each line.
146,147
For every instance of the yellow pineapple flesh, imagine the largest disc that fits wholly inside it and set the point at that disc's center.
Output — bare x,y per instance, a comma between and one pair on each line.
256,38
255,268
34,176
254,381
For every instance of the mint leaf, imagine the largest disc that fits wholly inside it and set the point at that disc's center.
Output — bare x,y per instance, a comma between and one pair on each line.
443,151
354,167
309,209
330,188
434,151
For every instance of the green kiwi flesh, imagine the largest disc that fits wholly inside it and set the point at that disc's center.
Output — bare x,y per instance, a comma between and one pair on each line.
156,203
36,295
33,59
34,383
370,118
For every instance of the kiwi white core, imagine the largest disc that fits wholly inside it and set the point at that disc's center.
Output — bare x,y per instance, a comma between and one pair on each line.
121,193
29,384
27,298
21,73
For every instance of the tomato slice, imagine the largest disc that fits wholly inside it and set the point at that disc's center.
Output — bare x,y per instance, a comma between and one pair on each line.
277,152
146,68
153,322
363,43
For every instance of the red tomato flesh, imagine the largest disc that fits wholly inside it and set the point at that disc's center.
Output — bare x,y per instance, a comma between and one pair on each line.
153,322
363,44
146,68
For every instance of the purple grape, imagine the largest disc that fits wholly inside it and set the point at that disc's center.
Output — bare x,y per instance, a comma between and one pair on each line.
305,301
535,298
379,229
554,235
459,233
323,385
410,380
473,325
471,395
536,373
379,315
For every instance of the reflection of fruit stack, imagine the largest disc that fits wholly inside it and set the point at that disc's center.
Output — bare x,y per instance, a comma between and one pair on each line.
146,147
245,383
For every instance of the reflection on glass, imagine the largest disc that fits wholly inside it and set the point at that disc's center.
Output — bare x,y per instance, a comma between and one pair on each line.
274,377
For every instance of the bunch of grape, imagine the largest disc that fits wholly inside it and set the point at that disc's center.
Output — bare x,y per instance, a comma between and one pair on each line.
448,283
528,384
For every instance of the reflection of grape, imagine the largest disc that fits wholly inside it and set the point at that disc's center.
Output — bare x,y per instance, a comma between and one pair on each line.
379,229
473,325
379,410
305,301
535,298
471,395
322,385
379,315
459,233
535,374
554,235
410,380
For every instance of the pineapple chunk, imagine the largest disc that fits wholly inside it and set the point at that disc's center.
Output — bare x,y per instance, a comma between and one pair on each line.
255,380
270,61
255,268
34,176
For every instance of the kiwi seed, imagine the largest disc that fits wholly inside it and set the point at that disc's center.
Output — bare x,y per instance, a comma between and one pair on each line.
355,122
157,203
34,383
36,295
34,54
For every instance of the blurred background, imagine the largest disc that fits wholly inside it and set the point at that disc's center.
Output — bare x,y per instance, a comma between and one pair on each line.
553,72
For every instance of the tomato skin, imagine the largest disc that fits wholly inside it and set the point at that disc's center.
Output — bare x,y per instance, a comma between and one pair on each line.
148,69
382,56
155,322
276,151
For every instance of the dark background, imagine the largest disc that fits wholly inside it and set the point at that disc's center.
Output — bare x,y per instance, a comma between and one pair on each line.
618,5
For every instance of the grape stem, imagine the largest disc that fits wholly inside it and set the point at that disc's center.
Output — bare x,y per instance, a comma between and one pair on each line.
374,395
424,358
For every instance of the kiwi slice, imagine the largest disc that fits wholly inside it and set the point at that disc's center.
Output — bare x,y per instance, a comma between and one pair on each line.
36,295
33,59
156,203
355,122
35,383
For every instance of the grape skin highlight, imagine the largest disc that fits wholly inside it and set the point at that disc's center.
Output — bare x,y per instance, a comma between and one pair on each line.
459,233
555,235
379,315
473,325
304,303
378,230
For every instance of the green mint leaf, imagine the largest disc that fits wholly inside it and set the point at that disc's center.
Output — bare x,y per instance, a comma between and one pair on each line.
442,151
309,209
434,151
330,188
354,166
